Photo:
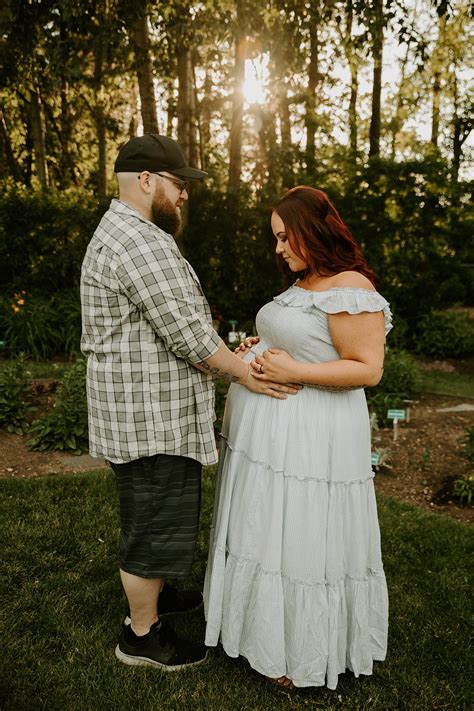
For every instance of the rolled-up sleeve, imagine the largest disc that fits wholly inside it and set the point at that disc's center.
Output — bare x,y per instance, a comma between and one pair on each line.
154,278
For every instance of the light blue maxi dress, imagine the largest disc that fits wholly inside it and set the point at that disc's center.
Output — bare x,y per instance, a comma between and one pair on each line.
295,580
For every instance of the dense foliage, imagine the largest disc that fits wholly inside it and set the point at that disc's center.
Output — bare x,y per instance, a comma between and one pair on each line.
413,226
65,426
15,407
446,334
400,382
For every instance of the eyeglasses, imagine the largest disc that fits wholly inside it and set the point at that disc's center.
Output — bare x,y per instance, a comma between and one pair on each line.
182,185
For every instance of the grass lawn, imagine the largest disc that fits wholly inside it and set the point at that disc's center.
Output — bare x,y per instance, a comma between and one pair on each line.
447,383
63,605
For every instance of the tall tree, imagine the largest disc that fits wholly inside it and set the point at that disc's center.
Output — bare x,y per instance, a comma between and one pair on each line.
400,105
376,27
140,41
186,108
438,67
37,126
99,115
314,74
235,152
462,124
350,44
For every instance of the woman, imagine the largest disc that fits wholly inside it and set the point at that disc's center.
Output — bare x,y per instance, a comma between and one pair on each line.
295,581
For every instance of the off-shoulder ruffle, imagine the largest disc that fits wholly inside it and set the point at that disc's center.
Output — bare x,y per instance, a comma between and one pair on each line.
335,300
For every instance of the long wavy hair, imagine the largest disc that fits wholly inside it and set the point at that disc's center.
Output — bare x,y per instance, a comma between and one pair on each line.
317,234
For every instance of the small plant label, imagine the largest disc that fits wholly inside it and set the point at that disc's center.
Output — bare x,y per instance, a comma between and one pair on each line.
374,459
396,415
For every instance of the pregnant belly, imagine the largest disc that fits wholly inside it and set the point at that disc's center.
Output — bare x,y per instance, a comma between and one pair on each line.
313,434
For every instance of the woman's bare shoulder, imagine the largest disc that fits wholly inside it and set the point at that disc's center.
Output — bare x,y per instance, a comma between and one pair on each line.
352,280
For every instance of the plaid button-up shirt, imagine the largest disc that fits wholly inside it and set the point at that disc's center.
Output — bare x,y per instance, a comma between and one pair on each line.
145,321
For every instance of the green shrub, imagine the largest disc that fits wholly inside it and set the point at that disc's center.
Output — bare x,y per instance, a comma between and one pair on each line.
400,381
470,443
43,238
400,337
463,489
446,334
65,427
39,326
14,401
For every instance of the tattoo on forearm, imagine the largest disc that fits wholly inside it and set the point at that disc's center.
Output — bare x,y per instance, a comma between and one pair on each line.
333,388
217,373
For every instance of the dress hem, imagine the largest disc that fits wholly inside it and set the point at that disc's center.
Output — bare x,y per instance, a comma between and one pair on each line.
298,683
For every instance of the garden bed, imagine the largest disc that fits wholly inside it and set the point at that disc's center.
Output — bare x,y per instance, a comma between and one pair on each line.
428,454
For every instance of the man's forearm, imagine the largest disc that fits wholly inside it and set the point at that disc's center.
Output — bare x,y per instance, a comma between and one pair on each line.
224,364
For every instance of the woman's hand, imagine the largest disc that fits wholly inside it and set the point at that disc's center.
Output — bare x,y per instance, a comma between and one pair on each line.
246,345
268,387
275,365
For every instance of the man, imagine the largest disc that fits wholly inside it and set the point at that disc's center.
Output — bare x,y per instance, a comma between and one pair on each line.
152,351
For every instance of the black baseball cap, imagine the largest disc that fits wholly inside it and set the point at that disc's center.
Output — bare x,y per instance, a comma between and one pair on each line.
155,153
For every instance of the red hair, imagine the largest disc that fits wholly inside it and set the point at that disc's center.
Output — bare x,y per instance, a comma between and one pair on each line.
317,234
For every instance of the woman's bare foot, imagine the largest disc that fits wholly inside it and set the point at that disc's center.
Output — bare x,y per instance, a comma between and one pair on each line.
282,682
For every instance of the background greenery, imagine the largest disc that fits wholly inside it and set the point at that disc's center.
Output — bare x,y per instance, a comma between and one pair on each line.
368,100
422,260
63,605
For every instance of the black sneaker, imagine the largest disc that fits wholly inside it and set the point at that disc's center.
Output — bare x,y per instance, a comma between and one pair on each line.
173,601
161,648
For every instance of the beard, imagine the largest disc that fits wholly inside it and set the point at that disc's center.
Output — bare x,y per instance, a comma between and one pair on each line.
164,214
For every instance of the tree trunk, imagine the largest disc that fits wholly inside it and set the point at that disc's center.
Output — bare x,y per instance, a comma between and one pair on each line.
194,153
12,163
353,136
353,68
235,159
267,168
99,115
462,128
186,108
170,107
140,40
397,120
38,140
205,119
285,133
347,42
65,128
435,109
437,63
133,125
313,78
377,54
66,164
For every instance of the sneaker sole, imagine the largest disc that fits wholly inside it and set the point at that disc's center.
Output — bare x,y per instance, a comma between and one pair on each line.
145,662
127,619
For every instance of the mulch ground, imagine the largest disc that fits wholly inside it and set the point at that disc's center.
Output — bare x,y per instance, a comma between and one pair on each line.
428,455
